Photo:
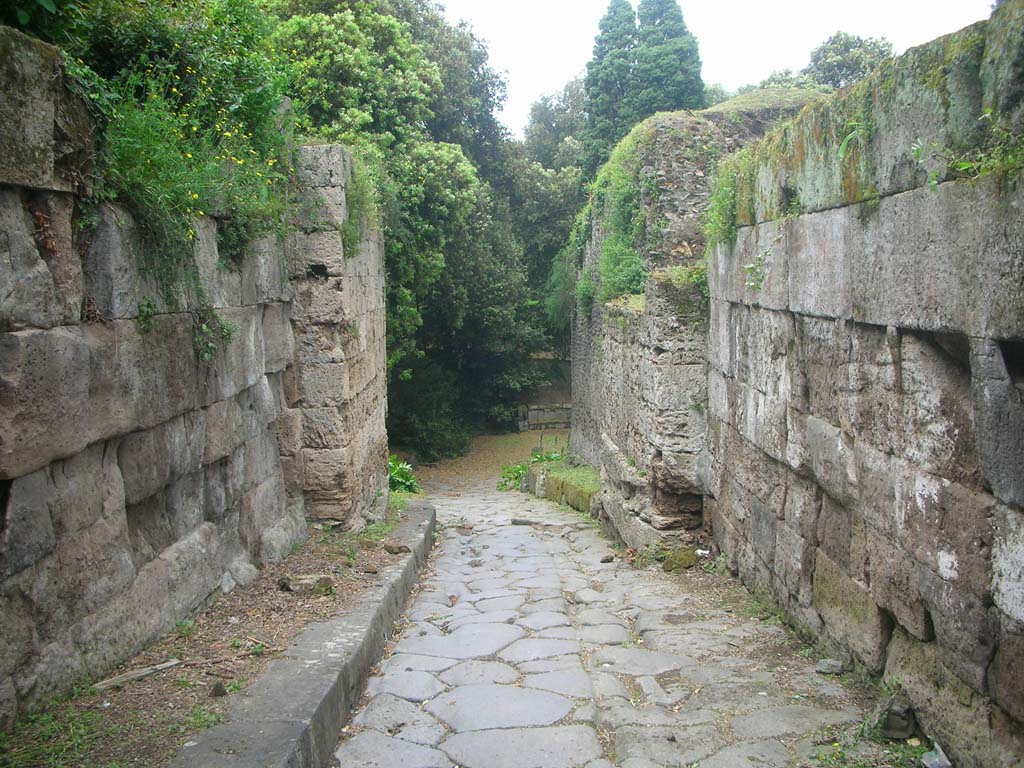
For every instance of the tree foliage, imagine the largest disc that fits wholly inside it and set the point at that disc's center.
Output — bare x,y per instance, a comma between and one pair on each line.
643,63
609,83
192,91
844,59
666,75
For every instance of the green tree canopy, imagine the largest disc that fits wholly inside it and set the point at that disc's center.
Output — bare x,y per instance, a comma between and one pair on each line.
637,71
844,59
608,83
555,125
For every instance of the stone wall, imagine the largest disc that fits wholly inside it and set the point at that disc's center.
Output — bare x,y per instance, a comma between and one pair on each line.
849,410
136,480
866,424
638,372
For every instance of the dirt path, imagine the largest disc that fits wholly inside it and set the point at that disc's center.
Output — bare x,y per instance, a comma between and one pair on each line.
530,646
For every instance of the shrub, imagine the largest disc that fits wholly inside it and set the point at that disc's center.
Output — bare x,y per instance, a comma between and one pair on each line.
401,477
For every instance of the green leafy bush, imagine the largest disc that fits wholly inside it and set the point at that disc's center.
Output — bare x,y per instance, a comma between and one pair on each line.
401,477
512,476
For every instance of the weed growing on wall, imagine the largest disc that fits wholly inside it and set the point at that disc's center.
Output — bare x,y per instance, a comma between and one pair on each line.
186,99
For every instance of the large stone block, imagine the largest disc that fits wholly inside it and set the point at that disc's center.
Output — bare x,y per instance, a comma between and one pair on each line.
324,165
115,280
1008,563
265,272
852,617
278,338
936,419
912,272
830,457
1006,675
896,585
319,253
998,418
221,281
966,629
819,247
32,296
28,535
29,80
969,727
150,459
239,363
947,528
65,388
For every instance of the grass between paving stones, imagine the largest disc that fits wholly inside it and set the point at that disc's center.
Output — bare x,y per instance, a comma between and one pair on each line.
230,642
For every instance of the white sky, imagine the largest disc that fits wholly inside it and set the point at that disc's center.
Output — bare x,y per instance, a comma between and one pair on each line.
542,44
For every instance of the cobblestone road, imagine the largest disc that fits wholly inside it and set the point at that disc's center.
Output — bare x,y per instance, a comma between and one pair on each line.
525,649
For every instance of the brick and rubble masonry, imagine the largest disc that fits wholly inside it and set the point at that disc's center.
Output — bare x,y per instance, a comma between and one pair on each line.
638,364
135,480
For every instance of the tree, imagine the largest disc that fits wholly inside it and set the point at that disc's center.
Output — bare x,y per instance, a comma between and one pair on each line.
716,93
555,125
666,75
608,83
844,59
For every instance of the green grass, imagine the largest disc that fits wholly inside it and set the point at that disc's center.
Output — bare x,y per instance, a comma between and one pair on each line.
582,476
766,98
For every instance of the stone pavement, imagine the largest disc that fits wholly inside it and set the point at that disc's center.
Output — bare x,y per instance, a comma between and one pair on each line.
524,650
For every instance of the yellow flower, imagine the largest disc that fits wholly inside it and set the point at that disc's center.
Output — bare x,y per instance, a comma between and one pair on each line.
228,134
200,213
188,155
195,196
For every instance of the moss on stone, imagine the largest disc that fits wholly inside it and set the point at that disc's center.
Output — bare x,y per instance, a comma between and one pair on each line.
681,559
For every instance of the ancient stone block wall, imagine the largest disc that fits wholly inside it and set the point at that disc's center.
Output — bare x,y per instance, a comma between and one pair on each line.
866,399
136,480
639,362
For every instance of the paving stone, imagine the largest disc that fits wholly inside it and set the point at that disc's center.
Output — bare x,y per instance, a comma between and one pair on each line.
399,718
787,721
469,642
605,634
667,746
569,682
533,649
413,686
567,746
558,633
539,606
635,661
492,594
501,603
481,707
371,749
477,672
757,754
490,617
410,662
544,620
597,616
556,664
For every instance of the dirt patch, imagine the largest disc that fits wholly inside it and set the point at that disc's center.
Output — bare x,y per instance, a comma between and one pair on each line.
227,646
487,455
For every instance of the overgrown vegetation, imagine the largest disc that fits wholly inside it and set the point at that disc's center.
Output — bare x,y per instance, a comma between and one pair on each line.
190,96
401,477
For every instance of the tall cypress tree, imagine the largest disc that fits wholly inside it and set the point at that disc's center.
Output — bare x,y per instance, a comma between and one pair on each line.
666,74
608,83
